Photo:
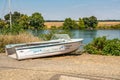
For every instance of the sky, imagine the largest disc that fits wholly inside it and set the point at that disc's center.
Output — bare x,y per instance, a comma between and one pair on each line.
61,9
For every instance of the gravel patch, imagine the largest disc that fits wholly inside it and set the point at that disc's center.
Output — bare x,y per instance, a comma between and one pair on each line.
45,68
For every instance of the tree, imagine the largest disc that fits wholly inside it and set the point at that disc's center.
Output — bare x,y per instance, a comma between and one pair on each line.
2,23
24,21
93,22
7,17
81,24
70,24
90,22
36,21
15,16
18,23
86,22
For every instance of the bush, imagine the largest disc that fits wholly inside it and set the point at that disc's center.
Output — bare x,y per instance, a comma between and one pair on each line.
13,39
96,46
103,46
15,29
112,47
91,49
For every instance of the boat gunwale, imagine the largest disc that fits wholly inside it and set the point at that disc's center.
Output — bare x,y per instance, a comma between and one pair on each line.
39,46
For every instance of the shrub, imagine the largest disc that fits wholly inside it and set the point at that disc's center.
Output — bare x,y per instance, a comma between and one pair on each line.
103,46
91,49
15,29
115,26
112,47
96,46
13,39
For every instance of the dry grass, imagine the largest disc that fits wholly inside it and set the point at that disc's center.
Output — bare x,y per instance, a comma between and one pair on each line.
58,24
13,39
21,38
108,23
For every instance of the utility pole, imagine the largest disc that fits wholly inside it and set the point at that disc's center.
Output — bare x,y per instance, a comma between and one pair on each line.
10,14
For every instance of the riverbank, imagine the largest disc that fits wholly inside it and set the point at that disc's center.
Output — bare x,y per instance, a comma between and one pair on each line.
70,64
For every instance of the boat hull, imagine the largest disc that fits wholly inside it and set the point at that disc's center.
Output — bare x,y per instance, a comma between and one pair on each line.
47,51
42,49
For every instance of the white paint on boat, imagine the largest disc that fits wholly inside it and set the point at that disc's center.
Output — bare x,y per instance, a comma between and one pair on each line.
43,49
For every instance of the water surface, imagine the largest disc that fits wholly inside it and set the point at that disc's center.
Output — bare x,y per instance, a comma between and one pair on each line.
87,35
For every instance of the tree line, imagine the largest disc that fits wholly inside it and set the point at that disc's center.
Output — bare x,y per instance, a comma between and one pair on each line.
36,21
82,23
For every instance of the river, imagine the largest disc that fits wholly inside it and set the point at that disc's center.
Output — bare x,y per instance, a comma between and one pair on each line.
88,35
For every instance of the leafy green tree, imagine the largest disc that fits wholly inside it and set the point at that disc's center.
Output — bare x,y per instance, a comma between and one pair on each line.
93,22
36,21
2,23
86,22
24,21
7,17
70,24
17,21
15,16
90,22
81,24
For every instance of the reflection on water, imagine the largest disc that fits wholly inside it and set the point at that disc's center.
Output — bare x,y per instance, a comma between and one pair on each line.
87,35
110,34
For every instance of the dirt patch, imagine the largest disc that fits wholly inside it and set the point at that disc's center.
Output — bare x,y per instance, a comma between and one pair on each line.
45,68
